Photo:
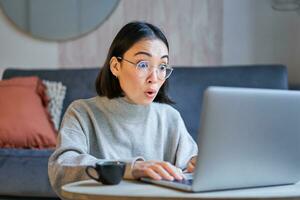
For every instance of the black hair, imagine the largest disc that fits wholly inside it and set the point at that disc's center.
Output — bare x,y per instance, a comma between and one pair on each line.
106,83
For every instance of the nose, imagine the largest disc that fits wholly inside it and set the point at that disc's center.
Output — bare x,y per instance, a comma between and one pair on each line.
153,75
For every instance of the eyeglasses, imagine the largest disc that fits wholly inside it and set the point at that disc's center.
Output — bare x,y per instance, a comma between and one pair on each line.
163,71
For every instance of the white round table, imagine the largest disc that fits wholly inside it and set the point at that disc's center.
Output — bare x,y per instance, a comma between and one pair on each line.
131,189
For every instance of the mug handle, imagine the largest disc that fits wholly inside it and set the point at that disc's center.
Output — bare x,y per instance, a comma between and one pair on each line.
87,171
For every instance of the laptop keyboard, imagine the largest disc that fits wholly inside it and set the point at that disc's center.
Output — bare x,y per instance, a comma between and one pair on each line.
184,181
188,179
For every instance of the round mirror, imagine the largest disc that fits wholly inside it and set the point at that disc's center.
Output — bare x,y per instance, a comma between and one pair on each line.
58,19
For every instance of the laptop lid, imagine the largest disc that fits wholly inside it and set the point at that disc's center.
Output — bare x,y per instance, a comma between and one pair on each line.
248,138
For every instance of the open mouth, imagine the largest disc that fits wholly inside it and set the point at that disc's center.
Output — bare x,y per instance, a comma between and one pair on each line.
150,94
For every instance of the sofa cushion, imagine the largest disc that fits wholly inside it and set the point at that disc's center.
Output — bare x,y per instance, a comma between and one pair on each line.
56,92
24,119
23,172
80,83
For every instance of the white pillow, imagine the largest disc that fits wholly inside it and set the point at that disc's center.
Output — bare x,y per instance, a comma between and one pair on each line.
56,92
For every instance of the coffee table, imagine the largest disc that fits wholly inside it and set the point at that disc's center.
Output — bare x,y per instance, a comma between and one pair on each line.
131,189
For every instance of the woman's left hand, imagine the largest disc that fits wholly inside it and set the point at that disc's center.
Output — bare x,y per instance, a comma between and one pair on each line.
191,164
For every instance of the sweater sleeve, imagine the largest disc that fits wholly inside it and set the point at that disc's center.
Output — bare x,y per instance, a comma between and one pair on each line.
68,162
186,147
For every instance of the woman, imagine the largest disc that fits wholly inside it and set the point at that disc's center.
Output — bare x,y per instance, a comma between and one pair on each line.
122,122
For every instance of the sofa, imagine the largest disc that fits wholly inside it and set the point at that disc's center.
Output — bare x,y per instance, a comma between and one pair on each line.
23,172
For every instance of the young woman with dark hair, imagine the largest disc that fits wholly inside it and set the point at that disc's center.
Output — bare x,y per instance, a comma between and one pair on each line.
130,119
107,84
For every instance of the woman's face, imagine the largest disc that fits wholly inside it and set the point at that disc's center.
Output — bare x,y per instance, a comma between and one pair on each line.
141,87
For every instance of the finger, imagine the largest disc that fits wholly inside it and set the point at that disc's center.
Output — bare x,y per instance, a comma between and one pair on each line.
190,167
152,174
181,173
140,169
162,172
173,171
193,160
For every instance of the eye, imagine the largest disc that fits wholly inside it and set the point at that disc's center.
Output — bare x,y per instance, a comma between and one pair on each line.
162,67
142,65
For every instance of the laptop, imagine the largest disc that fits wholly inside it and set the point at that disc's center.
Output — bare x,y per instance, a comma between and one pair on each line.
247,138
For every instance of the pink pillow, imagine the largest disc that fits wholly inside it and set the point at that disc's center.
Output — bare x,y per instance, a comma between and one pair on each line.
24,118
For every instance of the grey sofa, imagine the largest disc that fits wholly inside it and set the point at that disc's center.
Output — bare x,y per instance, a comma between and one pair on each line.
23,172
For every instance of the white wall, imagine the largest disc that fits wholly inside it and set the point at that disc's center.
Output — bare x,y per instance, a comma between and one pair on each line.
17,49
193,27
255,34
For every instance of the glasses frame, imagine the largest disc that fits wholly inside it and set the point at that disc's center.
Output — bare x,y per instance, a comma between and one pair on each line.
136,65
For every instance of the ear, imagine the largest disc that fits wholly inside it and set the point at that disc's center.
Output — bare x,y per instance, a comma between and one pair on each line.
114,66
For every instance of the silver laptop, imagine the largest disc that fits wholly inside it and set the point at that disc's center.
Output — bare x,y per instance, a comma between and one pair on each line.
247,138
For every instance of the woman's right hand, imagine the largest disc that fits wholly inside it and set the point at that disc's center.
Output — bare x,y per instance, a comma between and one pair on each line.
156,170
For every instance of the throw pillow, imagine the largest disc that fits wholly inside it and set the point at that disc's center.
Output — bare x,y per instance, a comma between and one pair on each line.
56,92
24,118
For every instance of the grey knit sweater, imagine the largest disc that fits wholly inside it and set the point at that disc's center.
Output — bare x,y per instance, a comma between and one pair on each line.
99,128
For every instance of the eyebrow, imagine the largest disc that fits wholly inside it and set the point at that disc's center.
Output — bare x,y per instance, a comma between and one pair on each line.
148,54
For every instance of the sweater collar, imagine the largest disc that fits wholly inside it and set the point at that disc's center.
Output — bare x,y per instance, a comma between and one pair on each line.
126,111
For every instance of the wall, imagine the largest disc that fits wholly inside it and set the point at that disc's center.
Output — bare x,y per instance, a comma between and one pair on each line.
192,27
254,33
197,41
200,32
17,49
